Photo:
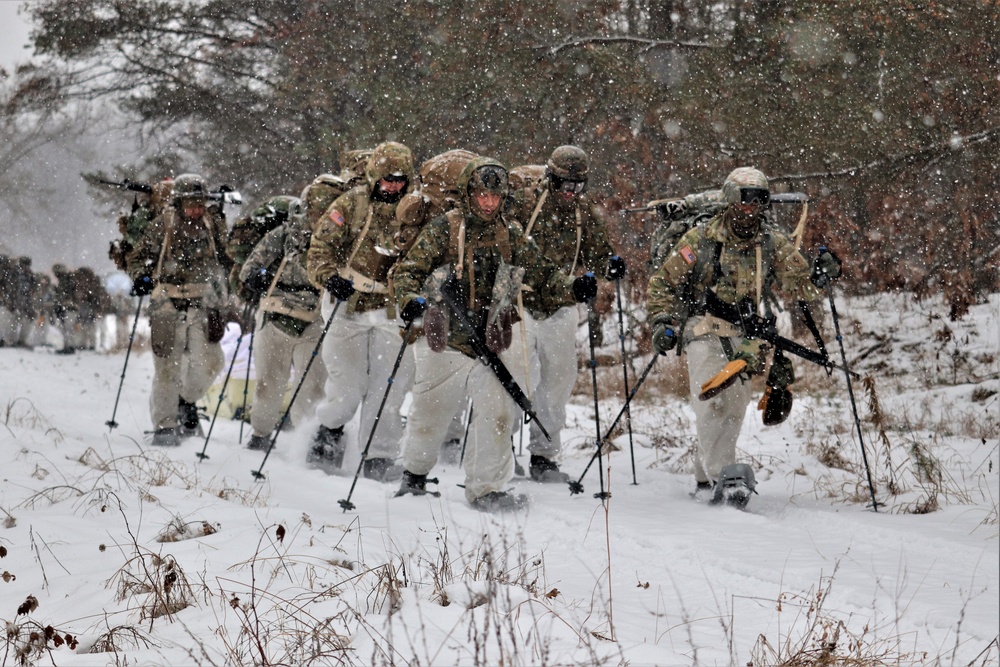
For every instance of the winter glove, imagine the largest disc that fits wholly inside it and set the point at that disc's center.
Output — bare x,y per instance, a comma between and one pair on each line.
258,283
827,267
585,287
142,286
340,288
616,268
413,309
664,337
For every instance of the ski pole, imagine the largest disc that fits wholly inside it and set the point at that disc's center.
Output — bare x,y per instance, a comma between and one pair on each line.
850,390
247,312
577,486
246,383
346,502
284,417
603,495
465,438
111,423
628,409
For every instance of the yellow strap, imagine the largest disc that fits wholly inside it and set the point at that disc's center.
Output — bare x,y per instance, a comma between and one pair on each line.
361,236
579,236
270,304
801,227
760,278
274,281
534,215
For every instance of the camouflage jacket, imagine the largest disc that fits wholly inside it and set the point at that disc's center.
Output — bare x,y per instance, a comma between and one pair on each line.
434,248
334,239
554,232
675,291
292,294
177,252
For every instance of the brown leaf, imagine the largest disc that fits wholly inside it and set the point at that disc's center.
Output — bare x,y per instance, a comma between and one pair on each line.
280,533
3,551
29,605
553,593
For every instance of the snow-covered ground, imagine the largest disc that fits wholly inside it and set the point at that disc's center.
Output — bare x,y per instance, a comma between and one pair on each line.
157,558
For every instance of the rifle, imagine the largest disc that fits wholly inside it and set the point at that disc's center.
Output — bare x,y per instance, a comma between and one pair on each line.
777,198
755,326
129,185
487,356
226,195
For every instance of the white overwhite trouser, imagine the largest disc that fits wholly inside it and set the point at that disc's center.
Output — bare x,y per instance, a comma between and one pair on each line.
720,418
444,382
276,352
8,327
552,353
359,351
71,329
189,369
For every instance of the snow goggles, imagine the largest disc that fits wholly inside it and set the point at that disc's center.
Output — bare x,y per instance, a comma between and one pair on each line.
566,185
759,196
395,178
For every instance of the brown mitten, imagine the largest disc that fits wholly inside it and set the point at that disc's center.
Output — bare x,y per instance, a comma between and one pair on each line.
723,379
436,328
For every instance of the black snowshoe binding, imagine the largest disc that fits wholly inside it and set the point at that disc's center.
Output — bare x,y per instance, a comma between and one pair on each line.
258,443
188,419
166,437
736,484
546,471
327,451
416,484
702,491
381,470
500,501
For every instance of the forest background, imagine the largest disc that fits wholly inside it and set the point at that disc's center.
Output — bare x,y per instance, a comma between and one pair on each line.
887,114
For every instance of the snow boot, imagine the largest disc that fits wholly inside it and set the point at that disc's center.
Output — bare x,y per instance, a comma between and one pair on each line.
166,437
416,484
736,483
327,452
500,501
381,470
702,491
187,417
546,471
258,443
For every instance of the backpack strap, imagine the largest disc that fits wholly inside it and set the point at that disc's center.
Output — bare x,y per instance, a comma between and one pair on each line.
534,214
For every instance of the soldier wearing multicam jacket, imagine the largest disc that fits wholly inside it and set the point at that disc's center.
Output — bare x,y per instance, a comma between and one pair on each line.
354,244
740,257
566,227
288,323
180,261
479,245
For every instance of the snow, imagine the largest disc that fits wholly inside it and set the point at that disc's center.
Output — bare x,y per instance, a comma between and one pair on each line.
652,577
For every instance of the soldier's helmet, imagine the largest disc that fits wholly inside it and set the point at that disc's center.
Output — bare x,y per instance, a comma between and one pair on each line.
24,261
189,186
489,178
278,209
59,270
389,159
568,163
746,185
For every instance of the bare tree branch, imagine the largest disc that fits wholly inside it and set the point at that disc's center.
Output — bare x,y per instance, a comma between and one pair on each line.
647,44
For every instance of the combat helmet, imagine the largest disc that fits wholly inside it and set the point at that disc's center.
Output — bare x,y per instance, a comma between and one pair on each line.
390,160
746,185
483,175
59,269
568,163
277,210
189,186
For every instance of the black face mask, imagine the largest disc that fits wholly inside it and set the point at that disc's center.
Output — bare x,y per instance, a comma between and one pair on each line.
743,225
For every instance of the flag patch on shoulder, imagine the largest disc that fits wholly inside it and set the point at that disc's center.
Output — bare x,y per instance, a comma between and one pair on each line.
337,217
687,254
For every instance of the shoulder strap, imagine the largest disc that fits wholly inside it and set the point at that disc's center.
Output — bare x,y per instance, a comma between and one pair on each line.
361,236
534,214
456,239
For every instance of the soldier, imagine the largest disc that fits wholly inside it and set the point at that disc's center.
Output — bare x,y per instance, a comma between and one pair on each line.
92,301
288,323
723,255
325,188
481,249
353,247
180,261
566,227
8,320
65,309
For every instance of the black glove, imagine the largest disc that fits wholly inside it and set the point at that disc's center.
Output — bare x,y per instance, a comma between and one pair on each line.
258,283
585,288
142,286
340,288
413,309
664,337
826,267
616,268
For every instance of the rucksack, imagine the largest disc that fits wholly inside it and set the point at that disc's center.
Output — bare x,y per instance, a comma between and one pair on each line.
677,217
439,180
526,177
325,188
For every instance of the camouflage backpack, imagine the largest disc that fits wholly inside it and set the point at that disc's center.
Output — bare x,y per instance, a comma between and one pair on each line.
677,217
325,188
131,225
249,230
528,177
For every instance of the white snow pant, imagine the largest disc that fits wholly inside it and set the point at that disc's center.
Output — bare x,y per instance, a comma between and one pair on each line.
444,382
275,353
189,369
71,329
8,327
552,353
359,351
719,419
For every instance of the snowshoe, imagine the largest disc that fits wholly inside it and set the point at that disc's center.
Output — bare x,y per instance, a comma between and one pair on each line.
416,484
166,437
381,470
736,484
702,491
546,471
500,501
188,419
327,452
258,443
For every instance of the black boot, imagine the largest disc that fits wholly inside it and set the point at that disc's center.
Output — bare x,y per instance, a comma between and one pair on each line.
416,484
258,442
327,450
546,471
187,416
381,470
500,501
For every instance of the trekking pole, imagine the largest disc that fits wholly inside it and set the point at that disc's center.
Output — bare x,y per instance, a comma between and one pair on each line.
257,473
577,486
346,502
465,438
246,383
247,312
603,495
628,409
850,390
111,423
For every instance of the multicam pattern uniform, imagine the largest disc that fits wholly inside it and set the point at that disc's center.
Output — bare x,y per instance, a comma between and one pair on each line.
734,278
445,380
363,341
187,262
288,327
551,333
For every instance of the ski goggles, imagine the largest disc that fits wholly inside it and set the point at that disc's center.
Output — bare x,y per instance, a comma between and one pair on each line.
395,178
565,185
759,196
